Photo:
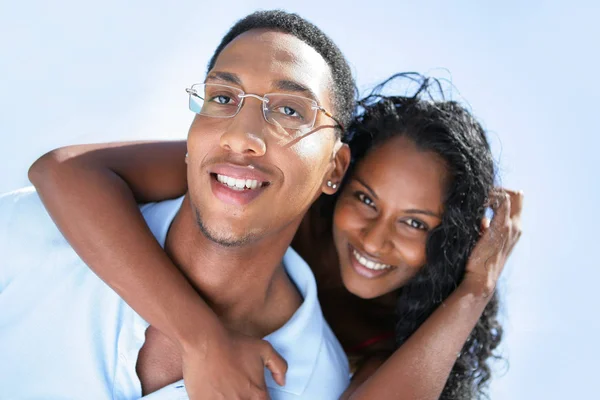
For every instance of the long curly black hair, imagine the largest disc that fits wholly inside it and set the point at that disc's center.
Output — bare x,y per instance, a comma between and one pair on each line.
448,129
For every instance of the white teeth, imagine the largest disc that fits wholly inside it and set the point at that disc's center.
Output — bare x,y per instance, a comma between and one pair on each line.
369,263
238,184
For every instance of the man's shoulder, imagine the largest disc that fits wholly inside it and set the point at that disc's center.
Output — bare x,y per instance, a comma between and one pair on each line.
331,372
19,199
160,215
317,364
22,212
27,233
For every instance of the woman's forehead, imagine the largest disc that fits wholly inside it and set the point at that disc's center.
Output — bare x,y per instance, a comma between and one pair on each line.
398,170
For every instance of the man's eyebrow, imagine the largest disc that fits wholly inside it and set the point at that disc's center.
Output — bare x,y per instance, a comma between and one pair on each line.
224,76
367,186
291,86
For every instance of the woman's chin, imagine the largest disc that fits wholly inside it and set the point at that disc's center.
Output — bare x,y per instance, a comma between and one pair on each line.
357,287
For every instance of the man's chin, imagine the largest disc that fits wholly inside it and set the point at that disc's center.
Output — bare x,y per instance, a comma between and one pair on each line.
225,233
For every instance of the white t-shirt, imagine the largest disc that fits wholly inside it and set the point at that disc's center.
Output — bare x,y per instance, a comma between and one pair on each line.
64,334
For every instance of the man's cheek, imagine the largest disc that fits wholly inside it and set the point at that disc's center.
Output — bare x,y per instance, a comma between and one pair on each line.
312,149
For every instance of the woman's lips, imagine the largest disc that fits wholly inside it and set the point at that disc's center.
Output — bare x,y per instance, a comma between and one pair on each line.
365,266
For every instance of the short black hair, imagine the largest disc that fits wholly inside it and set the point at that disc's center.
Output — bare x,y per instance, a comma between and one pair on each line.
344,90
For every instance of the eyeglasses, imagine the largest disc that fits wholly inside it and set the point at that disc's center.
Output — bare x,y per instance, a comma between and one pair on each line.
285,110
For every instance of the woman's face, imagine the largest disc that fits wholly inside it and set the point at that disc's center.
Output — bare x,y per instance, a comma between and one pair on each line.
383,216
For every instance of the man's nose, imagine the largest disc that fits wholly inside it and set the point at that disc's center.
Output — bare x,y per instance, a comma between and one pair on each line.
246,133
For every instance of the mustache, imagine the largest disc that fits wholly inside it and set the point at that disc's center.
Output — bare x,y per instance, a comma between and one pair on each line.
240,161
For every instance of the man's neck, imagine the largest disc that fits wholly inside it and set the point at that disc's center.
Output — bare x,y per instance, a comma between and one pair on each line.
246,286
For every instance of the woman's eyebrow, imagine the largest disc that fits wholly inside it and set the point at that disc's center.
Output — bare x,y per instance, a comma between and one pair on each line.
424,212
408,211
224,76
366,186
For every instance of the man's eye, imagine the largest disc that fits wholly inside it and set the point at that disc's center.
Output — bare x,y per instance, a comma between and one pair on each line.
288,112
365,199
416,224
222,99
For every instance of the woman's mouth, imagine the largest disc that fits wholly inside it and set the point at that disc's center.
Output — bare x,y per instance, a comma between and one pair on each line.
365,266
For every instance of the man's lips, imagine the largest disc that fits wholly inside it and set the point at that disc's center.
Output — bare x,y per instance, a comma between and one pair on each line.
248,172
237,185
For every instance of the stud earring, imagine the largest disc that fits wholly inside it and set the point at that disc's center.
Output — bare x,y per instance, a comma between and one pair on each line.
331,185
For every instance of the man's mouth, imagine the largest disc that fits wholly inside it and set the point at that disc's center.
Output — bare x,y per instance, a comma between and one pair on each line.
239,184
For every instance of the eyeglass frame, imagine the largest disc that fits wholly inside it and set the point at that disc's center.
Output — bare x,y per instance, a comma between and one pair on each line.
264,100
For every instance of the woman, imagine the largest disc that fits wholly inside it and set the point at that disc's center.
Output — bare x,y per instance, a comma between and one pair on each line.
408,234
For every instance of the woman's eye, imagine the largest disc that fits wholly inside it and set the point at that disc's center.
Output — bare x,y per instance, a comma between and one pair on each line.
365,199
416,224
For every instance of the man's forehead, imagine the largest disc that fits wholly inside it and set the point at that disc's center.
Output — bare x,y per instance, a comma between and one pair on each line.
284,85
273,60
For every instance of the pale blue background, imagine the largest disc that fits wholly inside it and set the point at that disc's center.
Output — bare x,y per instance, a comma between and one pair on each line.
80,71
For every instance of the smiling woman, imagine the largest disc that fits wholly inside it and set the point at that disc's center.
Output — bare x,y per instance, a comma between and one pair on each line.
393,199
408,220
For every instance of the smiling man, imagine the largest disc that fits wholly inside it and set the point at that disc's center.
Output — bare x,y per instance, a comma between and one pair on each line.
263,146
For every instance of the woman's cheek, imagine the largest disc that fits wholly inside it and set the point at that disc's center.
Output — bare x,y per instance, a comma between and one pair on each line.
346,217
412,250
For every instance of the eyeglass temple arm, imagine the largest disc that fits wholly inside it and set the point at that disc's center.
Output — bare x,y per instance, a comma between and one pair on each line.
332,117
192,92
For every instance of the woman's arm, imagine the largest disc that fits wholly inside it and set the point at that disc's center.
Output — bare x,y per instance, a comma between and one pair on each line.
420,367
91,192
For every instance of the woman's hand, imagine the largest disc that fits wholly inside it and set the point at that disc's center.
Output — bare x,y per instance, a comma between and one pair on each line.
497,241
231,366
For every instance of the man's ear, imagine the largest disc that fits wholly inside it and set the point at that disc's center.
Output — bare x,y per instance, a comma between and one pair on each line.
340,162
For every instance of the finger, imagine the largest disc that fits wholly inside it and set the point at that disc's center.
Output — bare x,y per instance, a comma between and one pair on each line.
485,224
501,205
274,363
516,203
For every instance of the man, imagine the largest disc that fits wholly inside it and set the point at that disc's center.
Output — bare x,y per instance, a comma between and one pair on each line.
264,145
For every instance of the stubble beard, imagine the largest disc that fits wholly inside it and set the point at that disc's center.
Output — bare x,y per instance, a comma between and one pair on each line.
222,239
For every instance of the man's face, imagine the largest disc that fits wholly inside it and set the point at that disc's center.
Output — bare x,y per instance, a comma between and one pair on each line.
282,177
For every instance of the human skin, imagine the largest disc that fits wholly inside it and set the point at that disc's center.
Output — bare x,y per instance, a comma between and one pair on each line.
295,174
220,238
393,200
414,370
404,186
229,247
